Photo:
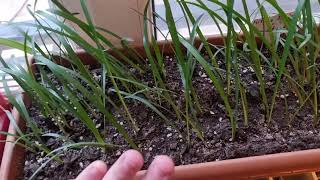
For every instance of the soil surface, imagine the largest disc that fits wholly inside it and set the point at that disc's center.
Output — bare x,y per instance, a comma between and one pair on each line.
155,137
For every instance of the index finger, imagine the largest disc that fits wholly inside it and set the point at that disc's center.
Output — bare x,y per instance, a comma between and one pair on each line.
95,170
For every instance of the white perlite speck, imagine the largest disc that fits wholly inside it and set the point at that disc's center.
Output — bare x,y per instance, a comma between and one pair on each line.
118,153
81,164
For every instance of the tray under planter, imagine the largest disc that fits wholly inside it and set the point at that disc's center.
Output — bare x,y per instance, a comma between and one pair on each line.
281,164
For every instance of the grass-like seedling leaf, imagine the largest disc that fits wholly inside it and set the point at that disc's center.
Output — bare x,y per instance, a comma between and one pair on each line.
290,36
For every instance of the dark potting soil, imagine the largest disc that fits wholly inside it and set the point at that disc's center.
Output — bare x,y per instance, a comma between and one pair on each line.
155,137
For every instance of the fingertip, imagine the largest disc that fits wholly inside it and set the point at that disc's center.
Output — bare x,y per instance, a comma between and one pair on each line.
126,167
95,170
165,165
99,166
134,154
133,159
161,168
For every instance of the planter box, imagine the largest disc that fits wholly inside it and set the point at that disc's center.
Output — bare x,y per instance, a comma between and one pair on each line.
282,164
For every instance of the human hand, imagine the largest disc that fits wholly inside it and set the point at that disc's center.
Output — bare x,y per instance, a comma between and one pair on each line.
126,167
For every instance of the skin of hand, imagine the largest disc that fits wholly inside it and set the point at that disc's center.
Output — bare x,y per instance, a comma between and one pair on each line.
126,167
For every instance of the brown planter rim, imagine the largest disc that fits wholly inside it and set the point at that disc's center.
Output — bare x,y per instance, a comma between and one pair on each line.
279,164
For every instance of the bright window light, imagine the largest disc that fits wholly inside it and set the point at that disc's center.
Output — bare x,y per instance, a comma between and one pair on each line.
16,10
207,25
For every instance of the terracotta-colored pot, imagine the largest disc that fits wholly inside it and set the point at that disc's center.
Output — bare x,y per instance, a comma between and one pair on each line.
281,164
243,168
